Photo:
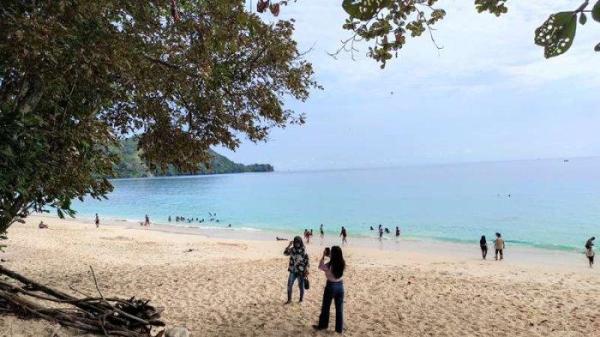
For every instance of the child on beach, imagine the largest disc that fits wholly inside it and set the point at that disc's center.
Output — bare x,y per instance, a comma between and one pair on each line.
334,288
97,221
499,245
298,266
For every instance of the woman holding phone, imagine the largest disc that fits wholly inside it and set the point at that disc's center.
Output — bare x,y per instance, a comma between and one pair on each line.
334,289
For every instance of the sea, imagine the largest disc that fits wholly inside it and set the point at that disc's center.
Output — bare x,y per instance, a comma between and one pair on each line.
550,204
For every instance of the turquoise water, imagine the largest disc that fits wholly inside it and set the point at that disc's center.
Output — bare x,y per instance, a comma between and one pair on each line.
552,204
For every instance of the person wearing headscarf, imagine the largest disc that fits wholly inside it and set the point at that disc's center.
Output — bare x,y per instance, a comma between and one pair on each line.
297,267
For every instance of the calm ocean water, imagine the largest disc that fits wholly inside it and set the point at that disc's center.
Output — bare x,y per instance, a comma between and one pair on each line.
552,204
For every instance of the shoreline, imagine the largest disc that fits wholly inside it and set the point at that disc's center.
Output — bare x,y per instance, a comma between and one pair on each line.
434,250
232,286
207,228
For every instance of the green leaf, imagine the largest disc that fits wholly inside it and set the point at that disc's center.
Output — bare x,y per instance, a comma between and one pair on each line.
557,33
582,18
596,11
363,9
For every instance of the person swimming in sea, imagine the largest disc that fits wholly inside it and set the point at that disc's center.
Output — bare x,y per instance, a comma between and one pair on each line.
387,231
372,228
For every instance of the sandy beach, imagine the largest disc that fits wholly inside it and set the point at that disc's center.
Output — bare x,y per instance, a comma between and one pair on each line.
236,287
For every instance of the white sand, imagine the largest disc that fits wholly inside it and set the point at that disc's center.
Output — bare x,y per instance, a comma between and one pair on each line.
237,287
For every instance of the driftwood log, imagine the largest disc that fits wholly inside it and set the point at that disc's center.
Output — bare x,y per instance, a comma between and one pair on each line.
101,315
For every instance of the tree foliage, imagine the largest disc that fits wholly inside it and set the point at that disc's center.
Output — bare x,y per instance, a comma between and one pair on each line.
386,24
77,75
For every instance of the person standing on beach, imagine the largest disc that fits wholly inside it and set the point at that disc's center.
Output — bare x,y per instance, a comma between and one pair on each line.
97,221
321,232
147,221
397,232
499,245
483,246
589,250
334,289
298,266
343,234
380,233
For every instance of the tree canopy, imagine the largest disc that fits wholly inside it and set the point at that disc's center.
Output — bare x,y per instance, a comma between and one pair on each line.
77,75
386,25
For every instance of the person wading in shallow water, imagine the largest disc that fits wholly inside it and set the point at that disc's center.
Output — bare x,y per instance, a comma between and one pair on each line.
298,266
334,288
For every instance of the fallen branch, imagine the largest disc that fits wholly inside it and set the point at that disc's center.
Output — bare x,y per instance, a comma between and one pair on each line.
102,315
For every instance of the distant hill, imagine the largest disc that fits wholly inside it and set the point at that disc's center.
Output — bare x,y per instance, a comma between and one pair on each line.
132,166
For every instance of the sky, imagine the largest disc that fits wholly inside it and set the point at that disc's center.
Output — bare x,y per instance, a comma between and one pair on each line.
488,95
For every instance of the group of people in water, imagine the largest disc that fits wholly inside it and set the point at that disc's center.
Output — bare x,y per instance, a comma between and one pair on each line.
333,265
308,234
381,230
212,218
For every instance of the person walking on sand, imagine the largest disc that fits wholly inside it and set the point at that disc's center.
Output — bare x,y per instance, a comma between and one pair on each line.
146,221
499,245
483,246
298,266
334,289
589,250
97,221
344,234
380,233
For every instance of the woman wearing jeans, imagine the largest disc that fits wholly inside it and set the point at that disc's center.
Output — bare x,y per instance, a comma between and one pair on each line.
334,289
298,267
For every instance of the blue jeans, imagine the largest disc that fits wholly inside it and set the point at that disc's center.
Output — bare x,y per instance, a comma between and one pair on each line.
293,276
333,291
